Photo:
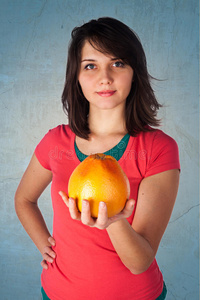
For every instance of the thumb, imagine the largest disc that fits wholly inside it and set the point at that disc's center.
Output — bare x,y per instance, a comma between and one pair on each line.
52,241
64,197
129,207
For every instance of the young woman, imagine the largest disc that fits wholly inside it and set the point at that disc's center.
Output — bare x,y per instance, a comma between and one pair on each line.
111,109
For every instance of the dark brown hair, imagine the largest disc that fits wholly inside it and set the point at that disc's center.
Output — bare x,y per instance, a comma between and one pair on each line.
110,36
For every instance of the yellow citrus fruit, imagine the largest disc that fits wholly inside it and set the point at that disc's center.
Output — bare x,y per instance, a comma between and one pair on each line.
99,178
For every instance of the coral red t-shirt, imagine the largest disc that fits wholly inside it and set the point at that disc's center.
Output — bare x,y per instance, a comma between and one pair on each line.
87,266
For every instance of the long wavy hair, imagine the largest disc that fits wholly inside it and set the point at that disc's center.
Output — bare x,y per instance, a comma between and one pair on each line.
110,36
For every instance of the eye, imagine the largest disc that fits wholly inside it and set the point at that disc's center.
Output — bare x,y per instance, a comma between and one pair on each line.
119,64
89,67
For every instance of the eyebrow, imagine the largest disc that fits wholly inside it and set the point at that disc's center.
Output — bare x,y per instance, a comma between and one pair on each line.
89,59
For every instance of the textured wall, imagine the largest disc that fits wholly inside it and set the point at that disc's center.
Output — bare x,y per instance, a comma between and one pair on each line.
33,43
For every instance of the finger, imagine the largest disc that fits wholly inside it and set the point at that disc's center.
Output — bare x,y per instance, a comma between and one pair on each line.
64,197
44,265
128,209
86,214
125,213
75,214
52,241
48,251
48,258
102,219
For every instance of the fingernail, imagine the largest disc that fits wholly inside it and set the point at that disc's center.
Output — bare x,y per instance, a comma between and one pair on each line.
102,204
84,203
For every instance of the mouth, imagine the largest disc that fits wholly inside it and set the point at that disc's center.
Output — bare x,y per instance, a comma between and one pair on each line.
107,93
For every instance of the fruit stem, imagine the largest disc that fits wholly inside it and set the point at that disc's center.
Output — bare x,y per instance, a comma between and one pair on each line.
99,156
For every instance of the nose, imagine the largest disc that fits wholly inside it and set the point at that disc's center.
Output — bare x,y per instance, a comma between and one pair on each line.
105,77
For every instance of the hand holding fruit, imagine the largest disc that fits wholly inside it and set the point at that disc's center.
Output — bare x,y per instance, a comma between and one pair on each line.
102,221
99,189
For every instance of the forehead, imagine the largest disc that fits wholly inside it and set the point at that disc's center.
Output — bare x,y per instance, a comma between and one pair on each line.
89,51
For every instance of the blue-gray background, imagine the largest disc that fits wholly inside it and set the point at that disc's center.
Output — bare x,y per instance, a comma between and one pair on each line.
33,50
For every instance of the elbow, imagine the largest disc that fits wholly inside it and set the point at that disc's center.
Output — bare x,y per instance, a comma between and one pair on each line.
17,205
17,201
142,262
140,267
138,271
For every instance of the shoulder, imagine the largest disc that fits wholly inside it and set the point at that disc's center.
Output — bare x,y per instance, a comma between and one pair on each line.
163,142
54,142
59,131
155,138
58,134
160,151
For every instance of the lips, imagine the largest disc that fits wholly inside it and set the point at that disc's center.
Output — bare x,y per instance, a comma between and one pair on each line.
107,93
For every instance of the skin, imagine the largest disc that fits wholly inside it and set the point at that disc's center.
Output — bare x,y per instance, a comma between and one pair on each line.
136,244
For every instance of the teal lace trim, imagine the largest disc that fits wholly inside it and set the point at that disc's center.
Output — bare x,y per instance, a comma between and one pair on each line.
116,151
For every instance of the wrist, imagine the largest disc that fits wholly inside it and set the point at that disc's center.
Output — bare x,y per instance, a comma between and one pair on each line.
118,223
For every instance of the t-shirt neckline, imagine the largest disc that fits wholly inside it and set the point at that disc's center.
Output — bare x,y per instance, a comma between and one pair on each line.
122,158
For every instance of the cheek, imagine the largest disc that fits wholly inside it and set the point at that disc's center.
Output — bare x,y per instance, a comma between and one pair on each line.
127,78
84,82
126,82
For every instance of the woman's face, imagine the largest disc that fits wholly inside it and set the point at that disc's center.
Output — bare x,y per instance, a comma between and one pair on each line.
105,80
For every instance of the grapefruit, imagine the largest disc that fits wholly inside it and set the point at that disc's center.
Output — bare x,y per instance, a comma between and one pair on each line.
99,178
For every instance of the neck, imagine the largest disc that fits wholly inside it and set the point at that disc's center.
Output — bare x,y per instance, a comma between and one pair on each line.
106,123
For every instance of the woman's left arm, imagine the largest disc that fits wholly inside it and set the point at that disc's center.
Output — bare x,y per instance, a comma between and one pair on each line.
137,245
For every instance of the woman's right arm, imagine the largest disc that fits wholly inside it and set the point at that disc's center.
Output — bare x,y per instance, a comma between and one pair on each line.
33,183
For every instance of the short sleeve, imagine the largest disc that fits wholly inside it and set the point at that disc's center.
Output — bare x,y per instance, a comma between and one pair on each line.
42,150
164,154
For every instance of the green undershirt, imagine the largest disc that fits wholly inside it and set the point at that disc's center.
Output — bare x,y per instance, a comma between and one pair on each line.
116,151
